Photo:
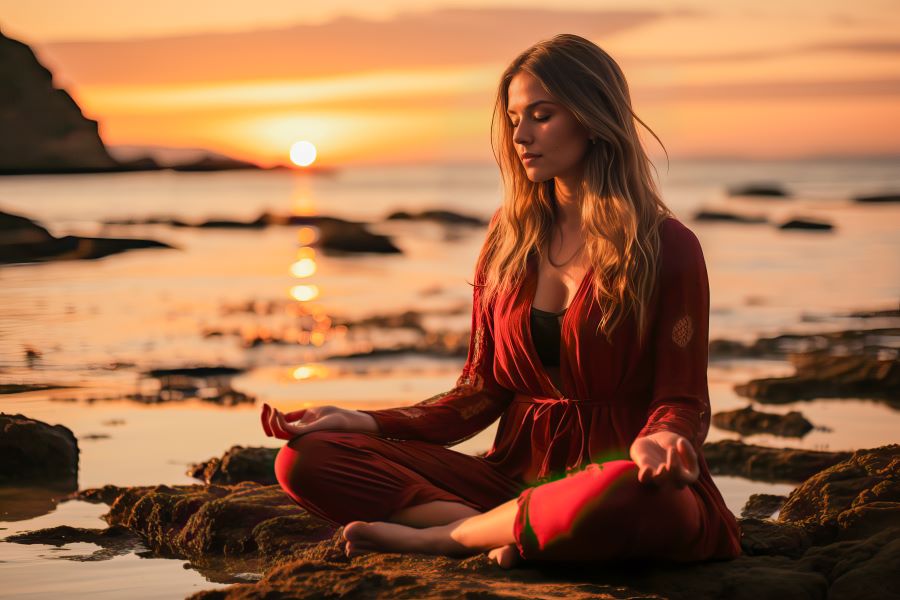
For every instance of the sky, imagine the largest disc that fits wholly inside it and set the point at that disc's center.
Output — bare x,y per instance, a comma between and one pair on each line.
400,81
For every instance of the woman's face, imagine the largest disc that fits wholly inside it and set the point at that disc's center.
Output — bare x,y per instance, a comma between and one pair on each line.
545,128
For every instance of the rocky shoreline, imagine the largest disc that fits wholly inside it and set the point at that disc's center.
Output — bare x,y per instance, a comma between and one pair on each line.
837,534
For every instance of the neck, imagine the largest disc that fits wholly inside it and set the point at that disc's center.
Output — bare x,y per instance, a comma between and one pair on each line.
568,194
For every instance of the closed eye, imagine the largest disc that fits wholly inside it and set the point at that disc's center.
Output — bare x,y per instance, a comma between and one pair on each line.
538,119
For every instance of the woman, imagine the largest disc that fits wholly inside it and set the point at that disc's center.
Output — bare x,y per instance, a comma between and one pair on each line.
589,341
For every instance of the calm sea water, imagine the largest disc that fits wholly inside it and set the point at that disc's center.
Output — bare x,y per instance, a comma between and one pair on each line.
150,308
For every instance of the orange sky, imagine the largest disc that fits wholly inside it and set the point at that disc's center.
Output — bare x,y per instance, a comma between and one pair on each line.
406,82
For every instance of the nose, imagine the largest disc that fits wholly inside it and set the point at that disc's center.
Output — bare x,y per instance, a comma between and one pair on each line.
521,135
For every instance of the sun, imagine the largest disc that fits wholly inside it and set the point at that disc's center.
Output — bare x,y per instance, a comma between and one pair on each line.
303,153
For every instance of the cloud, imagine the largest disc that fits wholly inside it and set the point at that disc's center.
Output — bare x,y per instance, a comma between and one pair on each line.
849,46
780,90
448,37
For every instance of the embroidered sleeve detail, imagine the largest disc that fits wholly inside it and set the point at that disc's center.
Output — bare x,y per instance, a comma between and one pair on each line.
683,331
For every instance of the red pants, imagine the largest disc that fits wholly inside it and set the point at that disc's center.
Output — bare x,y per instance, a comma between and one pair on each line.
600,512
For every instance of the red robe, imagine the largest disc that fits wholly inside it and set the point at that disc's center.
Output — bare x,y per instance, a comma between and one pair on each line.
611,393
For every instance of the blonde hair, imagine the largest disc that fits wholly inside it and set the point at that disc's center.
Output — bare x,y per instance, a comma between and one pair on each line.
621,209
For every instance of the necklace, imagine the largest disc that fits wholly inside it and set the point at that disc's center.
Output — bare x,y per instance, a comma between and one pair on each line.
565,262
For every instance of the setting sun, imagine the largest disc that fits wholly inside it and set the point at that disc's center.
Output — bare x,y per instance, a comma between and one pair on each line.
303,153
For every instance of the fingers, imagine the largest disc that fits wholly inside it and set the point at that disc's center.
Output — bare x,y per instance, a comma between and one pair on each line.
264,417
277,424
282,429
295,415
690,468
667,466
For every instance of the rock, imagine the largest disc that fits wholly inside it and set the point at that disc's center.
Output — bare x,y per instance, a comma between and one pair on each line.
721,216
747,421
16,229
765,190
891,313
24,240
238,464
730,457
210,384
196,372
18,388
302,557
440,216
348,237
761,506
33,451
854,499
197,521
807,224
869,342
214,163
823,375
43,128
114,541
763,537
879,199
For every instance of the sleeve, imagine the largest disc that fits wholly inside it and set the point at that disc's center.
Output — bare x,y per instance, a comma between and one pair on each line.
476,401
680,342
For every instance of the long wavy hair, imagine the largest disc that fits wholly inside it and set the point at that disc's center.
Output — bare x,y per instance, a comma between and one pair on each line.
621,210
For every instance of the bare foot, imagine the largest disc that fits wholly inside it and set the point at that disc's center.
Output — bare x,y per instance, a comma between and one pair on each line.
506,556
381,536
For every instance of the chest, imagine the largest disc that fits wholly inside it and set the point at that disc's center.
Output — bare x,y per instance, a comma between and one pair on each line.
556,286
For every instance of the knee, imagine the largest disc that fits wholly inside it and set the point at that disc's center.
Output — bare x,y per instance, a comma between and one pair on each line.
298,458
615,481
309,457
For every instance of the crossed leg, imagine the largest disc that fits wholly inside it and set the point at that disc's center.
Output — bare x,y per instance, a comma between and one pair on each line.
599,513
347,476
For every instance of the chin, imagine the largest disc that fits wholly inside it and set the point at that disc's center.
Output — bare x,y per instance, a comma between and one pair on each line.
536,175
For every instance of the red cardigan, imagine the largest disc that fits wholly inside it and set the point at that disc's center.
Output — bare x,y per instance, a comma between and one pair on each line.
611,393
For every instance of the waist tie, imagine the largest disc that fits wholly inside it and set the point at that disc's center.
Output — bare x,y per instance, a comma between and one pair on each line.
546,405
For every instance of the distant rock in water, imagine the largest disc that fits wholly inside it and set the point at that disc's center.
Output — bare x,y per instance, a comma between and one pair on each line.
213,163
747,421
440,216
731,457
23,240
43,128
237,465
878,199
210,384
765,190
823,375
727,217
34,451
338,235
807,224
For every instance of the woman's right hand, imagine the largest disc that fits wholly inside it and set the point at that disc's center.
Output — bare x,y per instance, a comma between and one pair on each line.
286,426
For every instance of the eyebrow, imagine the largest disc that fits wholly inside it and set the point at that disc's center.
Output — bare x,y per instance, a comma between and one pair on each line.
533,104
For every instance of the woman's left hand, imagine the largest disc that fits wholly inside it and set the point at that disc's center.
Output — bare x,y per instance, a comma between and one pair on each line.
664,457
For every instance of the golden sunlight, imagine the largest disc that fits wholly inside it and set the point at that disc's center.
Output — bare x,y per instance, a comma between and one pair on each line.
304,293
303,153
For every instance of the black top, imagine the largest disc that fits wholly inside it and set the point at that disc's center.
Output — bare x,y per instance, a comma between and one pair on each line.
545,333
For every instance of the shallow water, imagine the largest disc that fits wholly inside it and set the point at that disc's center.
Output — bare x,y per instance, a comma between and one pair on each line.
98,324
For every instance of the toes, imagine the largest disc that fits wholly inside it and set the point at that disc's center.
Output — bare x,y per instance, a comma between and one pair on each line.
354,530
506,556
